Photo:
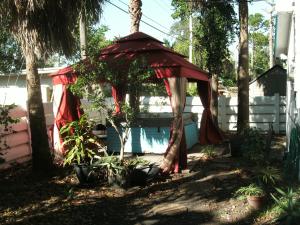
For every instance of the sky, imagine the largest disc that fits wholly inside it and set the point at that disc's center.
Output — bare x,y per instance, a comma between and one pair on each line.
155,12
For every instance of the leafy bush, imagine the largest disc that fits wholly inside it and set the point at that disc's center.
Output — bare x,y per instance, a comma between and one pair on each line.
253,145
268,174
289,206
80,142
251,190
209,151
5,121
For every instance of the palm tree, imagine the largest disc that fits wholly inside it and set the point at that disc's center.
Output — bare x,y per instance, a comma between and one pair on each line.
41,28
243,68
135,11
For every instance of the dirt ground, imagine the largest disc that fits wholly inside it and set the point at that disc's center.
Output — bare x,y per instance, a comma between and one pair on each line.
203,194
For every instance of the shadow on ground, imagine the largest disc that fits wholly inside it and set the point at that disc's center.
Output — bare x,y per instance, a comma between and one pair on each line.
204,196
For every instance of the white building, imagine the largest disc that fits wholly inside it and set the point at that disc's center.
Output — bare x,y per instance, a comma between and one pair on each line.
287,47
13,86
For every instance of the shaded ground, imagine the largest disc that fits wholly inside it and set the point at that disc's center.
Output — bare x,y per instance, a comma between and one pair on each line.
203,195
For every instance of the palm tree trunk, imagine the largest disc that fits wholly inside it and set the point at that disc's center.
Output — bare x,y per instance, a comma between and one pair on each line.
135,11
243,69
41,157
214,98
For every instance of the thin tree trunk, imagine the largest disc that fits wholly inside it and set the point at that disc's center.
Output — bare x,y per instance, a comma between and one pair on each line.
243,69
214,98
41,157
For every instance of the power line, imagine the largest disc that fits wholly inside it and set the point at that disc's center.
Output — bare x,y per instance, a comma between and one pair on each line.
161,6
144,15
148,24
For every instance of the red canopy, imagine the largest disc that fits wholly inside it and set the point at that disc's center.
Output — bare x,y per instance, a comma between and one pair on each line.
164,61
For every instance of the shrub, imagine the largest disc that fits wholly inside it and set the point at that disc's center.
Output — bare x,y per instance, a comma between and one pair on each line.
253,145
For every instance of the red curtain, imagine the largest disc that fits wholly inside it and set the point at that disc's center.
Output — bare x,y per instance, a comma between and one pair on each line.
69,109
118,94
175,158
209,133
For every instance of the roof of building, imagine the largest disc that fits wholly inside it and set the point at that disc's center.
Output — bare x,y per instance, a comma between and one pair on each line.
41,71
267,72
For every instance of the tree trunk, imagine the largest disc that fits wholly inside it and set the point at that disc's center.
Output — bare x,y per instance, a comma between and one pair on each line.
41,157
135,11
214,98
82,34
243,69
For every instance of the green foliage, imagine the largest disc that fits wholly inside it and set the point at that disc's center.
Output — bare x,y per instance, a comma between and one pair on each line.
112,164
180,30
96,39
115,166
209,151
133,163
228,82
130,80
156,89
289,206
251,190
5,121
216,23
253,145
258,40
292,163
228,75
79,141
10,52
192,89
182,9
268,174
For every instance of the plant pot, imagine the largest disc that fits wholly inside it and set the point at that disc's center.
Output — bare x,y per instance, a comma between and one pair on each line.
141,175
117,180
255,202
83,173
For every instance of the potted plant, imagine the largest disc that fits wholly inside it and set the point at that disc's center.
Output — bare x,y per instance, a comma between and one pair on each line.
115,170
81,146
254,194
124,173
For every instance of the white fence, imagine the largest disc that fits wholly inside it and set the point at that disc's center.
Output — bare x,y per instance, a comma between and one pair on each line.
263,110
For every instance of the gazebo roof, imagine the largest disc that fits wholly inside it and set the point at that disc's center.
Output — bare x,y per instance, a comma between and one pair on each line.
164,61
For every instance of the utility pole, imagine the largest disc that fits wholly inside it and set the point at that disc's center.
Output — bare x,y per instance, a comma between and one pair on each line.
271,28
191,38
82,33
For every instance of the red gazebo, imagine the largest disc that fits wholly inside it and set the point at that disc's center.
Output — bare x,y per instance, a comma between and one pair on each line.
168,65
